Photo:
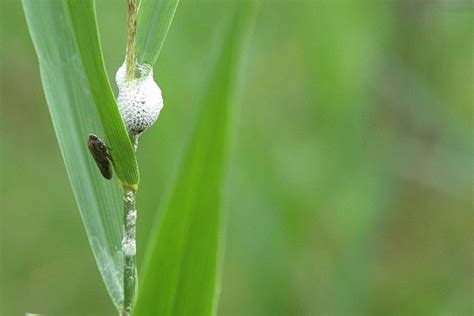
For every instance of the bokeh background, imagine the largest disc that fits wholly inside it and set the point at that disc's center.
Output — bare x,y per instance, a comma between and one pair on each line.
351,180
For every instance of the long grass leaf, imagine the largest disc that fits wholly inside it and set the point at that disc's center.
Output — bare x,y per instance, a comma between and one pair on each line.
84,27
181,272
73,97
153,22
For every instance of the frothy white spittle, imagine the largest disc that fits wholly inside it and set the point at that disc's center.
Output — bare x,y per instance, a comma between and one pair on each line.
129,197
132,218
140,100
129,247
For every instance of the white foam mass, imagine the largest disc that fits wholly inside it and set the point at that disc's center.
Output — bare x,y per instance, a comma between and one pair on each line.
129,247
140,100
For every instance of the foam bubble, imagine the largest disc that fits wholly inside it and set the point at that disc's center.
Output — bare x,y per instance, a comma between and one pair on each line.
140,100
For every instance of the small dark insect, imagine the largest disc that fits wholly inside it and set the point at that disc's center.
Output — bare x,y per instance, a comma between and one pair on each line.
101,155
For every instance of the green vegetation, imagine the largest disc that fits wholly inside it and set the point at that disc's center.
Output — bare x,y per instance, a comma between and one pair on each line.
348,188
59,36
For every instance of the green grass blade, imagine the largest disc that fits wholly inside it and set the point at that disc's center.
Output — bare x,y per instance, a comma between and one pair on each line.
153,22
84,27
182,264
73,98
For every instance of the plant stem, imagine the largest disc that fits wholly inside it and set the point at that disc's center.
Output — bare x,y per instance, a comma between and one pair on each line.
132,31
130,212
129,209
129,251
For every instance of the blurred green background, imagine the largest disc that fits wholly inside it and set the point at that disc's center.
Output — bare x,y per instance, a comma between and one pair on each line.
350,185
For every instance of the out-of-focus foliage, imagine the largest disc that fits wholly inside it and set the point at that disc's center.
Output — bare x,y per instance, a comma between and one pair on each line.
351,176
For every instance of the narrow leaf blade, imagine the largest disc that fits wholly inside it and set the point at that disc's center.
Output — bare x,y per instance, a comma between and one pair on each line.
182,266
84,27
153,22
74,115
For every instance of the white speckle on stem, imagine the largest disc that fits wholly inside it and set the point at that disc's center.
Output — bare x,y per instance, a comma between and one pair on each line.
129,197
128,242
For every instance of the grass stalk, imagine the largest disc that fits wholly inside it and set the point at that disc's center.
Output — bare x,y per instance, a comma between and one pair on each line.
131,46
129,195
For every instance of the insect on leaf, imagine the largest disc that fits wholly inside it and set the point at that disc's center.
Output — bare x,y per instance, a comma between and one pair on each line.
101,155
